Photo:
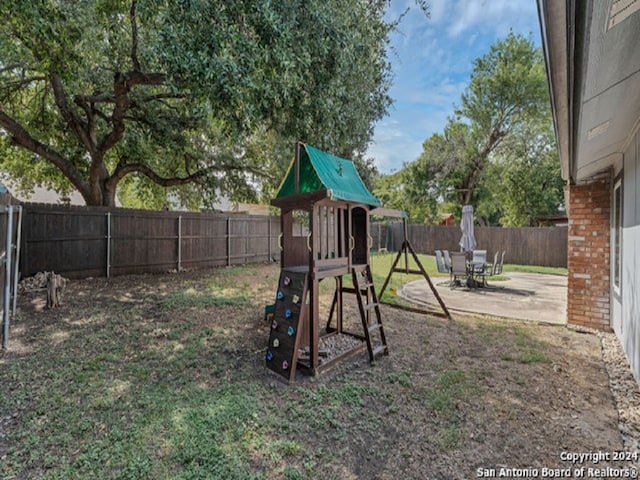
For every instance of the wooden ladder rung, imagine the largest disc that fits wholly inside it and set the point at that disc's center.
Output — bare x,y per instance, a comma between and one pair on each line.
379,349
374,327
362,288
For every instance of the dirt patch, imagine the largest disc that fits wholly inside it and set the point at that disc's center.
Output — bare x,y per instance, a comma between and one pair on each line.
454,399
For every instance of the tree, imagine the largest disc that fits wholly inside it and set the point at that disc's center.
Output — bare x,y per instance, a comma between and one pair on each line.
158,94
501,127
530,181
508,85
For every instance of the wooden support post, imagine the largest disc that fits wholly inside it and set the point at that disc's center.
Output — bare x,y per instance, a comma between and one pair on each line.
405,233
108,259
228,241
314,323
296,181
179,243
314,290
339,325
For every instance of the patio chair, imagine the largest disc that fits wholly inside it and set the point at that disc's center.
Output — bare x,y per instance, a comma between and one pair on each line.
447,260
458,269
442,268
479,261
489,271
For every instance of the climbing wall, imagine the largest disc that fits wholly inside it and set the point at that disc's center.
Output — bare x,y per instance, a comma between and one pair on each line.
286,324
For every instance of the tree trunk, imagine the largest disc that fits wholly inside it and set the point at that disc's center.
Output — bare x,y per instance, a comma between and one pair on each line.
100,196
108,198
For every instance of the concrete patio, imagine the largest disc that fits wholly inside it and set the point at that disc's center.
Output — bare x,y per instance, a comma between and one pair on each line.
525,296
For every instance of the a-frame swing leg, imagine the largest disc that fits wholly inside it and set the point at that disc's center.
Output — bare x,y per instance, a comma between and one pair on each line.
431,285
392,269
406,247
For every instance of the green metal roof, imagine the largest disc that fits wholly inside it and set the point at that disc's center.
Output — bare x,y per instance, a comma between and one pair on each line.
322,171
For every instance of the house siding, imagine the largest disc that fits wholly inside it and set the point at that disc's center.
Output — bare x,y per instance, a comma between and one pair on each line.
628,304
588,262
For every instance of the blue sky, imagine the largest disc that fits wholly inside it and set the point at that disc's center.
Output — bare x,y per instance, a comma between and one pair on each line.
432,60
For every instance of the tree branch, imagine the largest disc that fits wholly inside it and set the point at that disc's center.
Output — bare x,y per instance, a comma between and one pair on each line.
136,77
124,169
76,124
122,85
11,66
21,82
21,137
17,85
90,114
105,98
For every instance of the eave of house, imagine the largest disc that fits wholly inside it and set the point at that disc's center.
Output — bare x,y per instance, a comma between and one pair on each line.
594,81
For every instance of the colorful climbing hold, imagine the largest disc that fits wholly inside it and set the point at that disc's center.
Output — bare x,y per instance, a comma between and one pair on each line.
276,343
296,299
274,324
280,295
285,365
269,356
287,313
290,331
286,281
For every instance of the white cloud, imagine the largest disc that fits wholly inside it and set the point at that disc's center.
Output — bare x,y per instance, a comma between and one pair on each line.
496,16
438,10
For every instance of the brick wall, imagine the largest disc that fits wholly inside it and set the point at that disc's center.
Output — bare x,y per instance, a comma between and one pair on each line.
588,254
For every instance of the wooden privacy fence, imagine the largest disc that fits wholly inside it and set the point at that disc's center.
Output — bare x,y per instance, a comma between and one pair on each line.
541,246
96,241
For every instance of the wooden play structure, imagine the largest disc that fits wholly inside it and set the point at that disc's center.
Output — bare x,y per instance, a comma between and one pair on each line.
325,214
326,195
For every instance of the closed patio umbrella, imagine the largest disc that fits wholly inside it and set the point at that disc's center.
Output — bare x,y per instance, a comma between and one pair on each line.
468,239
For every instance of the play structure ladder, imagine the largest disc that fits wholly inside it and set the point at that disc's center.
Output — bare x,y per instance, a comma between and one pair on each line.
368,302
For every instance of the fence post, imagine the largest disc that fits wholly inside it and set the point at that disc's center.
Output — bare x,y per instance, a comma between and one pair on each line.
228,241
269,240
6,307
108,244
179,243
246,239
16,266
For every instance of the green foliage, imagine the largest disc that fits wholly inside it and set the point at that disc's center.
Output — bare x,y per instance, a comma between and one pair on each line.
179,102
532,185
507,84
450,388
213,440
498,153
193,299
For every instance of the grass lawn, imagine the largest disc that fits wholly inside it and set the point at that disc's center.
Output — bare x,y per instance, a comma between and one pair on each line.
162,377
